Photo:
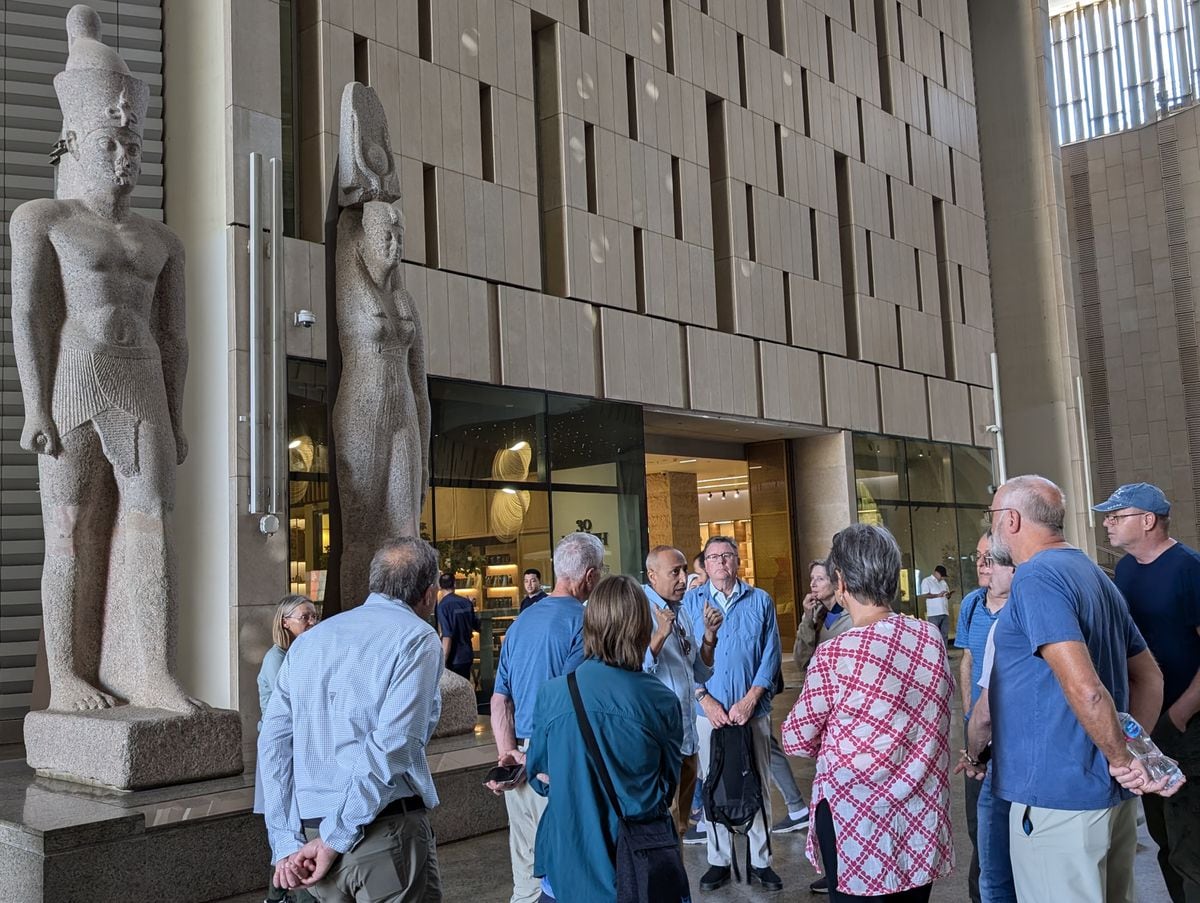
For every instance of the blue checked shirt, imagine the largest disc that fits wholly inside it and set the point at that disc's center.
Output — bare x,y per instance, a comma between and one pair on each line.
679,672
748,649
344,734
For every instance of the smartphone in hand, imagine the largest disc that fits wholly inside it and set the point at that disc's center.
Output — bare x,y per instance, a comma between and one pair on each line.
505,776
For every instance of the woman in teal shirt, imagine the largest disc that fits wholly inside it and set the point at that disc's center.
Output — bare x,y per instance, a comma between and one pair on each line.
636,720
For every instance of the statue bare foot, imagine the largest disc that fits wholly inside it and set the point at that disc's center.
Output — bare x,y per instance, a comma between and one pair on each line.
72,694
166,693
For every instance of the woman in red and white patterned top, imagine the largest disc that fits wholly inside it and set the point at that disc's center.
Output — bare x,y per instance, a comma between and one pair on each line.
875,712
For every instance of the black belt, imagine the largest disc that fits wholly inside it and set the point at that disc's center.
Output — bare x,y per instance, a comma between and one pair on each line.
396,807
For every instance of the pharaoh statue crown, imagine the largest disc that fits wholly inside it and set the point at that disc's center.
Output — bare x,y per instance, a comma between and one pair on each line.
96,90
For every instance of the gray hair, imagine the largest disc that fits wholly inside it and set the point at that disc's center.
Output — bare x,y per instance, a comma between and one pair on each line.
404,568
868,560
1001,556
1037,499
574,554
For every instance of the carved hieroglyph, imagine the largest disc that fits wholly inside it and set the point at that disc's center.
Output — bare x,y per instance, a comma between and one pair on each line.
381,416
98,332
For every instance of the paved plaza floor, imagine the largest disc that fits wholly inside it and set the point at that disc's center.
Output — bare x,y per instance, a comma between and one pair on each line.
478,871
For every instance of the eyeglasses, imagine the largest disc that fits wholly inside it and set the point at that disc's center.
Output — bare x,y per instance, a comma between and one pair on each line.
1113,518
684,643
990,514
986,561
721,556
305,619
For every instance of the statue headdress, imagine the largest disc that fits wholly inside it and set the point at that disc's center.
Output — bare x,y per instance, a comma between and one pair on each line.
96,89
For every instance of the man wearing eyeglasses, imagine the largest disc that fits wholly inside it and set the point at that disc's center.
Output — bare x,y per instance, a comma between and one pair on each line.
738,692
978,613
680,655
1160,579
1068,658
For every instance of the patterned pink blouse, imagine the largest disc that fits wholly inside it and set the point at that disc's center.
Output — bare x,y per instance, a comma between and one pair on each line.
875,712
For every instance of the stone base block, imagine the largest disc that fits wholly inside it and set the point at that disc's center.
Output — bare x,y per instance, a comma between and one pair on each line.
130,748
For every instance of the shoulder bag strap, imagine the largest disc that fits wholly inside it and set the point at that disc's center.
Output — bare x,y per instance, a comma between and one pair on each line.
589,740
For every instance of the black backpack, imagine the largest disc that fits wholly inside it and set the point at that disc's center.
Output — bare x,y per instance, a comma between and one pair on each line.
734,794
649,864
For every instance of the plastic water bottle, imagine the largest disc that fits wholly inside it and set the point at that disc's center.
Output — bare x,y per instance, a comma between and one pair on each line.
1142,747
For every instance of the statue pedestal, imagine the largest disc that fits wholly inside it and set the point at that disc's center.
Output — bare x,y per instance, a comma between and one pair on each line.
130,748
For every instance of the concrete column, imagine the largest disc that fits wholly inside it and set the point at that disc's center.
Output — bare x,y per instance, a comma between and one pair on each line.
673,511
824,500
1032,295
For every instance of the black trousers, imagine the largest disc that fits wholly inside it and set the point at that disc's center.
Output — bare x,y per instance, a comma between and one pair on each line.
463,670
972,806
827,841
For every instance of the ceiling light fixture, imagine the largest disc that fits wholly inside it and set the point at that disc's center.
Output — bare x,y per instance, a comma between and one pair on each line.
519,446
687,460
295,443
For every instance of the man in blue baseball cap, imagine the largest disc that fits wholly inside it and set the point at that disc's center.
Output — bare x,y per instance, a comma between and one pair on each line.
1160,578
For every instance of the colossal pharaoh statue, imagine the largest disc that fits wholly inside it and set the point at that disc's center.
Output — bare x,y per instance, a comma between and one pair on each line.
98,331
381,416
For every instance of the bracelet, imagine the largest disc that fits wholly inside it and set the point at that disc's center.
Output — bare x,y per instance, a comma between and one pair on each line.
705,642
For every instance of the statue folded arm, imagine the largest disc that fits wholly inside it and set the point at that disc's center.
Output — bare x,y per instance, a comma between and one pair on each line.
38,314
169,326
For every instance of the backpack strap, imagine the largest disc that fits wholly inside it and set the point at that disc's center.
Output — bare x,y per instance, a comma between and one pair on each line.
589,740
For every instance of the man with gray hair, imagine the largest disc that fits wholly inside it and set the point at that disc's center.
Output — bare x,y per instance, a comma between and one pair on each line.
1068,658
545,642
341,754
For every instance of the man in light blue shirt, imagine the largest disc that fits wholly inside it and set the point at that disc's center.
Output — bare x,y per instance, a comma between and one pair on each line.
738,692
679,657
545,642
342,750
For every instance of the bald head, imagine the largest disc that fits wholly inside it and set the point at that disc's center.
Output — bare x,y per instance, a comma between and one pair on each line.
1028,515
666,572
1037,499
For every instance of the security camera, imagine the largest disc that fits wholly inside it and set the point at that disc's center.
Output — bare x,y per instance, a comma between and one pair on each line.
305,318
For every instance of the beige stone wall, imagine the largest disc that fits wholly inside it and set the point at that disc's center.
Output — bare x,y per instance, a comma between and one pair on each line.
674,511
1134,205
756,207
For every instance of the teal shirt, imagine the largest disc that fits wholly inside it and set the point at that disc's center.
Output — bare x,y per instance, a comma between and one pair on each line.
637,724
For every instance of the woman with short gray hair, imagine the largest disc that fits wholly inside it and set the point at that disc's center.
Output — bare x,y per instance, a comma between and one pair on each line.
875,713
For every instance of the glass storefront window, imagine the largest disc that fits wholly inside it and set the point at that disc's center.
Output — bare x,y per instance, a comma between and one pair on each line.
930,478
931,496
595,443
308,478
880,472
485,433
973,477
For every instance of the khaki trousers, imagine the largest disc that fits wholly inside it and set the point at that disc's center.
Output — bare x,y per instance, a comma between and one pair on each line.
720,842
395,862
525,810
1073,857
684,793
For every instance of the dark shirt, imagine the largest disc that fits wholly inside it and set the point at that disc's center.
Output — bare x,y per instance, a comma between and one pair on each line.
529,600
1164,599
457,620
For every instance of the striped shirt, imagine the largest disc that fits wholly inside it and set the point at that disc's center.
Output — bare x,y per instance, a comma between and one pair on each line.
975,622
345,732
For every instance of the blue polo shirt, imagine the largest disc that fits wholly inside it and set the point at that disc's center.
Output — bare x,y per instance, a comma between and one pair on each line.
545,642
1164,599
457,620
975,622
748,650
1043,756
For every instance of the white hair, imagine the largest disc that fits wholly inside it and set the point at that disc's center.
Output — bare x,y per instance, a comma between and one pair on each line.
575,553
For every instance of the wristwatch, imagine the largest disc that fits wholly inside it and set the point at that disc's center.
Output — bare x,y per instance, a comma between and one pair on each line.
701,693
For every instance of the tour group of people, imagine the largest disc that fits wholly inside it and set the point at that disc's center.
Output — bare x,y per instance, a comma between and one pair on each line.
1053,652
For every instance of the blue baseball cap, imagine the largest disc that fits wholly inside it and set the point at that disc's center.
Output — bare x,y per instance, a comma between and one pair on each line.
1143,496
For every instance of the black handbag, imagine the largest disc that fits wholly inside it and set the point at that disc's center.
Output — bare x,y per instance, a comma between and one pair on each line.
649,864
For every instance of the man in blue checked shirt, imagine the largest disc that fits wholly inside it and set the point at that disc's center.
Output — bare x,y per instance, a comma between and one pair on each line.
739,692
341,753
680,655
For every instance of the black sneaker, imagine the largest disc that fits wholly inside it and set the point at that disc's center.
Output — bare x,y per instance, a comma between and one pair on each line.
717,876
694,835
820,886
766,875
